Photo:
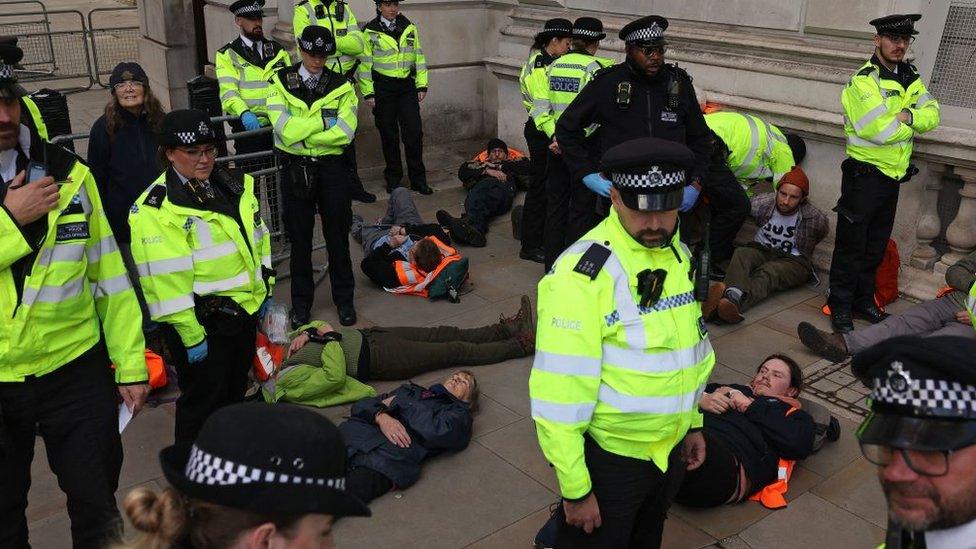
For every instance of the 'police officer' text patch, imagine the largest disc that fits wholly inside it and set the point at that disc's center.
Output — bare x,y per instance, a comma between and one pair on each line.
72,231
564,84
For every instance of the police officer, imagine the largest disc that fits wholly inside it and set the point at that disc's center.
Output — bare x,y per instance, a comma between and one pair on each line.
641,97
921,434
67,312
338,17
393,81
754,149
243,69
204,260
552,42
32,115
619,367
313,110
570,207
885,105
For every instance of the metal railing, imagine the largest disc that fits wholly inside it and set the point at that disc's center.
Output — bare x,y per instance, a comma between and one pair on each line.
110,45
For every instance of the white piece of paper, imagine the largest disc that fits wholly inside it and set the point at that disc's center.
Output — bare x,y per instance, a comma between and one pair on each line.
125,416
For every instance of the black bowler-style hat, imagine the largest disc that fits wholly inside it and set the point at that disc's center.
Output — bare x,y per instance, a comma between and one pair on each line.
266,458
898,24
248,9
646,30
556,28
317,40
186,127
10,56
923,392
588,28
649,173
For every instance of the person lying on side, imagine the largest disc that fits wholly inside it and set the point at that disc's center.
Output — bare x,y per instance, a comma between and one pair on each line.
389,436
748,430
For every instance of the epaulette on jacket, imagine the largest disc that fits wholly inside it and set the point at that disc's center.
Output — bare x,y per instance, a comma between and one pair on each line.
592,260
679,71
603,70
224,49
866,71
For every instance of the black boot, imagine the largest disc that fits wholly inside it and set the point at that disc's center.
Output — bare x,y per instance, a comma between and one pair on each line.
841,321
871,313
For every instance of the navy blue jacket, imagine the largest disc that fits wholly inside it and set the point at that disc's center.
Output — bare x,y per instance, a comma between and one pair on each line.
434,418
124,165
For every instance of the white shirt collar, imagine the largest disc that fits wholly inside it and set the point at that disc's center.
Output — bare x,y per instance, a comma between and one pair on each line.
387,22
248,42
8,159
305,74
952,538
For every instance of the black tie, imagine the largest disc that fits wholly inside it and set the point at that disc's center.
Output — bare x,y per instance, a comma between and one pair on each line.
256,50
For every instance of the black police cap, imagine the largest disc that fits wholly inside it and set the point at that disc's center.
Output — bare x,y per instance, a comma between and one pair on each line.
648,29
10,56
898,24
588,28
556,28
186,127
649,173
248,9
923,392
317,40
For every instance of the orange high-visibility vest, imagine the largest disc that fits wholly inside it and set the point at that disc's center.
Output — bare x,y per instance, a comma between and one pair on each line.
513,154
157,370
413,280
773,496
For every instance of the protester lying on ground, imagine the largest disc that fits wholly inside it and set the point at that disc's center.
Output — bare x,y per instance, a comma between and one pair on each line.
325,366
256,476
389,436
491,179
399,237
947,315
779,258
749,431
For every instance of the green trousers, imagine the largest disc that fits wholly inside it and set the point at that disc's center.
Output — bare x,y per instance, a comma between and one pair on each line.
760,271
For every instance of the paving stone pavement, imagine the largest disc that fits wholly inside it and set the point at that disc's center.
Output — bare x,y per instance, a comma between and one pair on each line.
497,493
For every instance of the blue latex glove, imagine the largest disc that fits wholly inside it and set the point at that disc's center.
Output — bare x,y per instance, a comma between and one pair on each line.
250,121
198,352
598,184
689,199
329,122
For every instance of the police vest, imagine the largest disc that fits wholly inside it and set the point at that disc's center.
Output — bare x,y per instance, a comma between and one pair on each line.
971,304
757,149
75,289
567,77
243,77
513,154
871,104
413,280
35,117
339,18
629,376
312,123
534,85
395,58
182,251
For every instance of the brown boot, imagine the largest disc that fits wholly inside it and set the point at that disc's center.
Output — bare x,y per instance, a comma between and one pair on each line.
523,322
715,291
728,311
828,345
526,341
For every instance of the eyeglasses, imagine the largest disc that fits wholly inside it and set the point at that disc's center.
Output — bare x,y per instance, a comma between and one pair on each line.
197,154
133,84
656,49
899,39
929,463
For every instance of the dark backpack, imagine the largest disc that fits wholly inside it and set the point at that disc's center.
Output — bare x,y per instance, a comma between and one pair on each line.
448,282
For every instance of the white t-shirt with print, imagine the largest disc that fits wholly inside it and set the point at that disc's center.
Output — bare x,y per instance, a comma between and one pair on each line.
779,232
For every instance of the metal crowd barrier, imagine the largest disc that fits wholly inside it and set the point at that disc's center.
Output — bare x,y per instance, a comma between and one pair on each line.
110,45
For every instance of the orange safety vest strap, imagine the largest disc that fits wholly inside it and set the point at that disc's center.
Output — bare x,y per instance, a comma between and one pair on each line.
513,154
413,281
773,496
945,291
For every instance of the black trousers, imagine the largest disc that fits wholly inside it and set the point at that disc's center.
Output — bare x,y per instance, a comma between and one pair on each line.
865,217
75,410
487,199
634,497
366,484
729,207
328,192
397,116
221,378
570,209
534,212
256,143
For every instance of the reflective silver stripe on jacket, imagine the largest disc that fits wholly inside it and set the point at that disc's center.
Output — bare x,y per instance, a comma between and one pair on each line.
567,364
111,286
670,404
54,294
217,251
63,251
165,266
638,360
560,412
205,288
170,306
100,248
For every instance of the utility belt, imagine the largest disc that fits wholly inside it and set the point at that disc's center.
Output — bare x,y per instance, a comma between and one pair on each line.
858,168
301,171
211,307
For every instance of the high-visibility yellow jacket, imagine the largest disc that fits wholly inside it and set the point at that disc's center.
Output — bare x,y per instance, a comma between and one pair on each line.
35,117
76,286
971,304
567,76
300,115
629,376
182,249
393,57
243,76
534,85
350,42
872,100
757,149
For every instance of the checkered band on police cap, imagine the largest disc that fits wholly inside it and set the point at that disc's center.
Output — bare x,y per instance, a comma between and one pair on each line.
6,72
931,397
248,9
653,179
208,469
586,33
645,34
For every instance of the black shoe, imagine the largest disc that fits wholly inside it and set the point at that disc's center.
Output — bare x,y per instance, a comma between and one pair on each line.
422,188
298,319
841,322
829,346
465,233
871,313
517,222
444,219
390,186
535,254
364,196
347,315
